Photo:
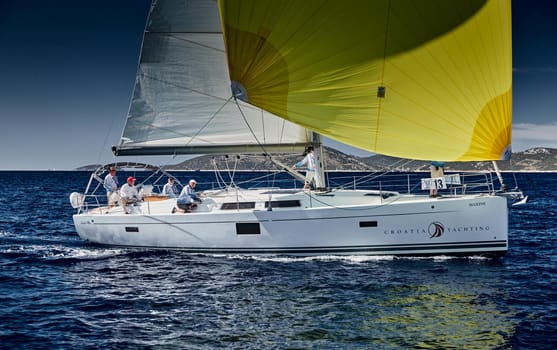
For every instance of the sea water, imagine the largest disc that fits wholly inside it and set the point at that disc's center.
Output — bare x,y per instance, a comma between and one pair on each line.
57,291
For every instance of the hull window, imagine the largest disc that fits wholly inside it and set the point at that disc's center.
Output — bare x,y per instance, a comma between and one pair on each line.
368,223
247,228
132,229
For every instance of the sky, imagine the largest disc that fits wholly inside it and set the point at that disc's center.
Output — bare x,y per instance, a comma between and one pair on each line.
67,71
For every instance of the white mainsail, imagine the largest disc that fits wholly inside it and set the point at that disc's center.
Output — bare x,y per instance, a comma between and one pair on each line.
182,101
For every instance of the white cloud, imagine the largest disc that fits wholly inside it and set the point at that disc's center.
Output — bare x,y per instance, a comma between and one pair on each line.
526,135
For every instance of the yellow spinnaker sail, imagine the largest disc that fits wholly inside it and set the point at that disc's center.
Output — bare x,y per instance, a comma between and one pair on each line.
423,79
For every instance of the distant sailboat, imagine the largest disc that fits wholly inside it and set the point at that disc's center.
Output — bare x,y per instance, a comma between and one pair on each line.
422,80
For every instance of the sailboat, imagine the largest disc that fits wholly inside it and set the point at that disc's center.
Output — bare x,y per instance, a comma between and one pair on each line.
421,80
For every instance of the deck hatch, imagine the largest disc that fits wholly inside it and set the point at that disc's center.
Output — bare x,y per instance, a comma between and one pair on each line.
248,228
283,204
237,205
368,223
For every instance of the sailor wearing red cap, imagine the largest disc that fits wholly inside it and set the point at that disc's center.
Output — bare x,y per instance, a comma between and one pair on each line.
129,194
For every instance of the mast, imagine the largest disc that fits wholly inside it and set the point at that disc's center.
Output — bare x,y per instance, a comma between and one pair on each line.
319,166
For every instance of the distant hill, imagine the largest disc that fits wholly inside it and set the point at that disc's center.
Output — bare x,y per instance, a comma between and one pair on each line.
534,159
335,160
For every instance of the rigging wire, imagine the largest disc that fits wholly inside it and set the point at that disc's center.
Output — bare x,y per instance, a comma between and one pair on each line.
208,121
253,133
249,127
377,174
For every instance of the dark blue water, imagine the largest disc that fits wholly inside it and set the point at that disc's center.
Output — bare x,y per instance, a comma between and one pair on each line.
59,292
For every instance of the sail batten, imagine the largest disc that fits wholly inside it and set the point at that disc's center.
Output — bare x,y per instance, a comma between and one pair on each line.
429,80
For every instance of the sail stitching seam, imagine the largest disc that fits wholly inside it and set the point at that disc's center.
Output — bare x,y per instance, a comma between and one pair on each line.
382,74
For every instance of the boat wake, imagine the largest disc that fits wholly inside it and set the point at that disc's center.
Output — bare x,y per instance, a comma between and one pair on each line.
47,250
295,259
80,253
354,259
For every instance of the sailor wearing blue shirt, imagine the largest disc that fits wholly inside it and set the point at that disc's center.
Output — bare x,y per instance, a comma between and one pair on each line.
169,188
188,197
110,184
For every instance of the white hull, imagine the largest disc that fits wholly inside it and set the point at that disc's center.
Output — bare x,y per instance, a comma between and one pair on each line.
338,222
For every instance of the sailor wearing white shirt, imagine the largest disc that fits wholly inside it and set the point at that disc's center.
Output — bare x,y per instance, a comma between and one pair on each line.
169,189
309,160
129,194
